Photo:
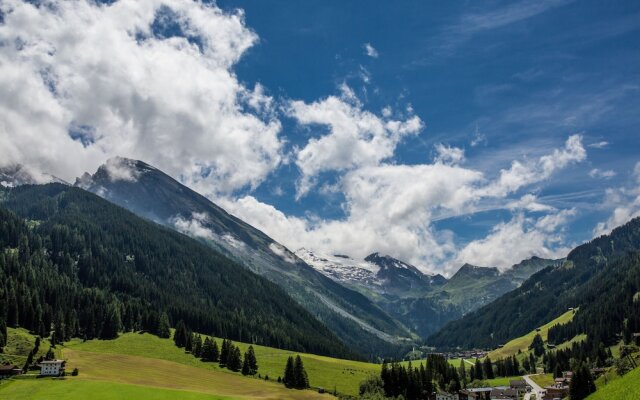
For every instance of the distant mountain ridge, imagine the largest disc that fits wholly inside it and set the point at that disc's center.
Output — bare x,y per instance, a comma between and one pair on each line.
601,277
422,302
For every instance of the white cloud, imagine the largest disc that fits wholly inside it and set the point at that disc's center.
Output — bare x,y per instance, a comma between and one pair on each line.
370,50
604,174
448,154
121,169
529,202
521,174
193,227
356,137
624,203
391,209
79,64
516,240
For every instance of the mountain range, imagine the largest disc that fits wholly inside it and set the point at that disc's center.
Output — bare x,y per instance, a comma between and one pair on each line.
376,305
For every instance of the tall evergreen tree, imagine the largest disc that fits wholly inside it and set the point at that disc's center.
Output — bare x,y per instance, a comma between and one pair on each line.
180,334
224,352
234,360
288,377
478,370
301,380
537,345
250,364
164,329
582,384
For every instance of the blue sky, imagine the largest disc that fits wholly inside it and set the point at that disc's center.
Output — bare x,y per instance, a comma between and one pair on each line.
479,86
521,76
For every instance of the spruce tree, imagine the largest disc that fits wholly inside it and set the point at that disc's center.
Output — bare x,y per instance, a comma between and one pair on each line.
478,370
224,352
234,361
180,335
215,353
488,368
164,329
537,345
250,364
207,350
197,345
288,378
301,381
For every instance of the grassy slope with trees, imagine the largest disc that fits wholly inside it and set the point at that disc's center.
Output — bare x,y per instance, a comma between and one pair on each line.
75,263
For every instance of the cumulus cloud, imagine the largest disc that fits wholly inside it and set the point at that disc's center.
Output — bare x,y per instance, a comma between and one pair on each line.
145,79
515,240
624,203
370,50
448,155
356,137
392,209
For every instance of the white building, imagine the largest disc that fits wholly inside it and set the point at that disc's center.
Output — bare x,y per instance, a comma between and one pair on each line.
52,368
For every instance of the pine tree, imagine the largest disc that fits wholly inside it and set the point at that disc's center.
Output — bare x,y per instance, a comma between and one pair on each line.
250,364
164,329
215,353
224,352
537,345
288,379
180,334
582,384
462,372
197,345
112,323
234,362
478,370
301,380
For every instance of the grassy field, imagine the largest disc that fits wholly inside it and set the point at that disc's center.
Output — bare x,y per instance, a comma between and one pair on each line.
75,389
522,343
543,379
329,373
19,343
624,388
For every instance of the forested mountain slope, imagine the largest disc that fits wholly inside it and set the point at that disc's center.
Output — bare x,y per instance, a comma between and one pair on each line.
152,194
602,277
73,262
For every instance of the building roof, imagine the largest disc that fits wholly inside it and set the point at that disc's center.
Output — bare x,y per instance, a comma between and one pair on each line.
504,394
47,362
8,367
518,382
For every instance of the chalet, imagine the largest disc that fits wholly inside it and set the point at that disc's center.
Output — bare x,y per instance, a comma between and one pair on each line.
447,396
504,394
552,393
52,368
520,385
9,370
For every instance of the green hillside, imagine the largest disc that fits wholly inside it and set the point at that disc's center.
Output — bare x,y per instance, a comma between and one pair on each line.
522,343
73,261
325,372
624,388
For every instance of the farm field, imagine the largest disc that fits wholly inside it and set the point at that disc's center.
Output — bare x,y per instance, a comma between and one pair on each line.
328,373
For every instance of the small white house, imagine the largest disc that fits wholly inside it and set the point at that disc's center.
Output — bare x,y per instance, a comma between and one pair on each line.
52,368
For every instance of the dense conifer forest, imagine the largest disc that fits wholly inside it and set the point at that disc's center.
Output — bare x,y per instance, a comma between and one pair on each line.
601,277
74,265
